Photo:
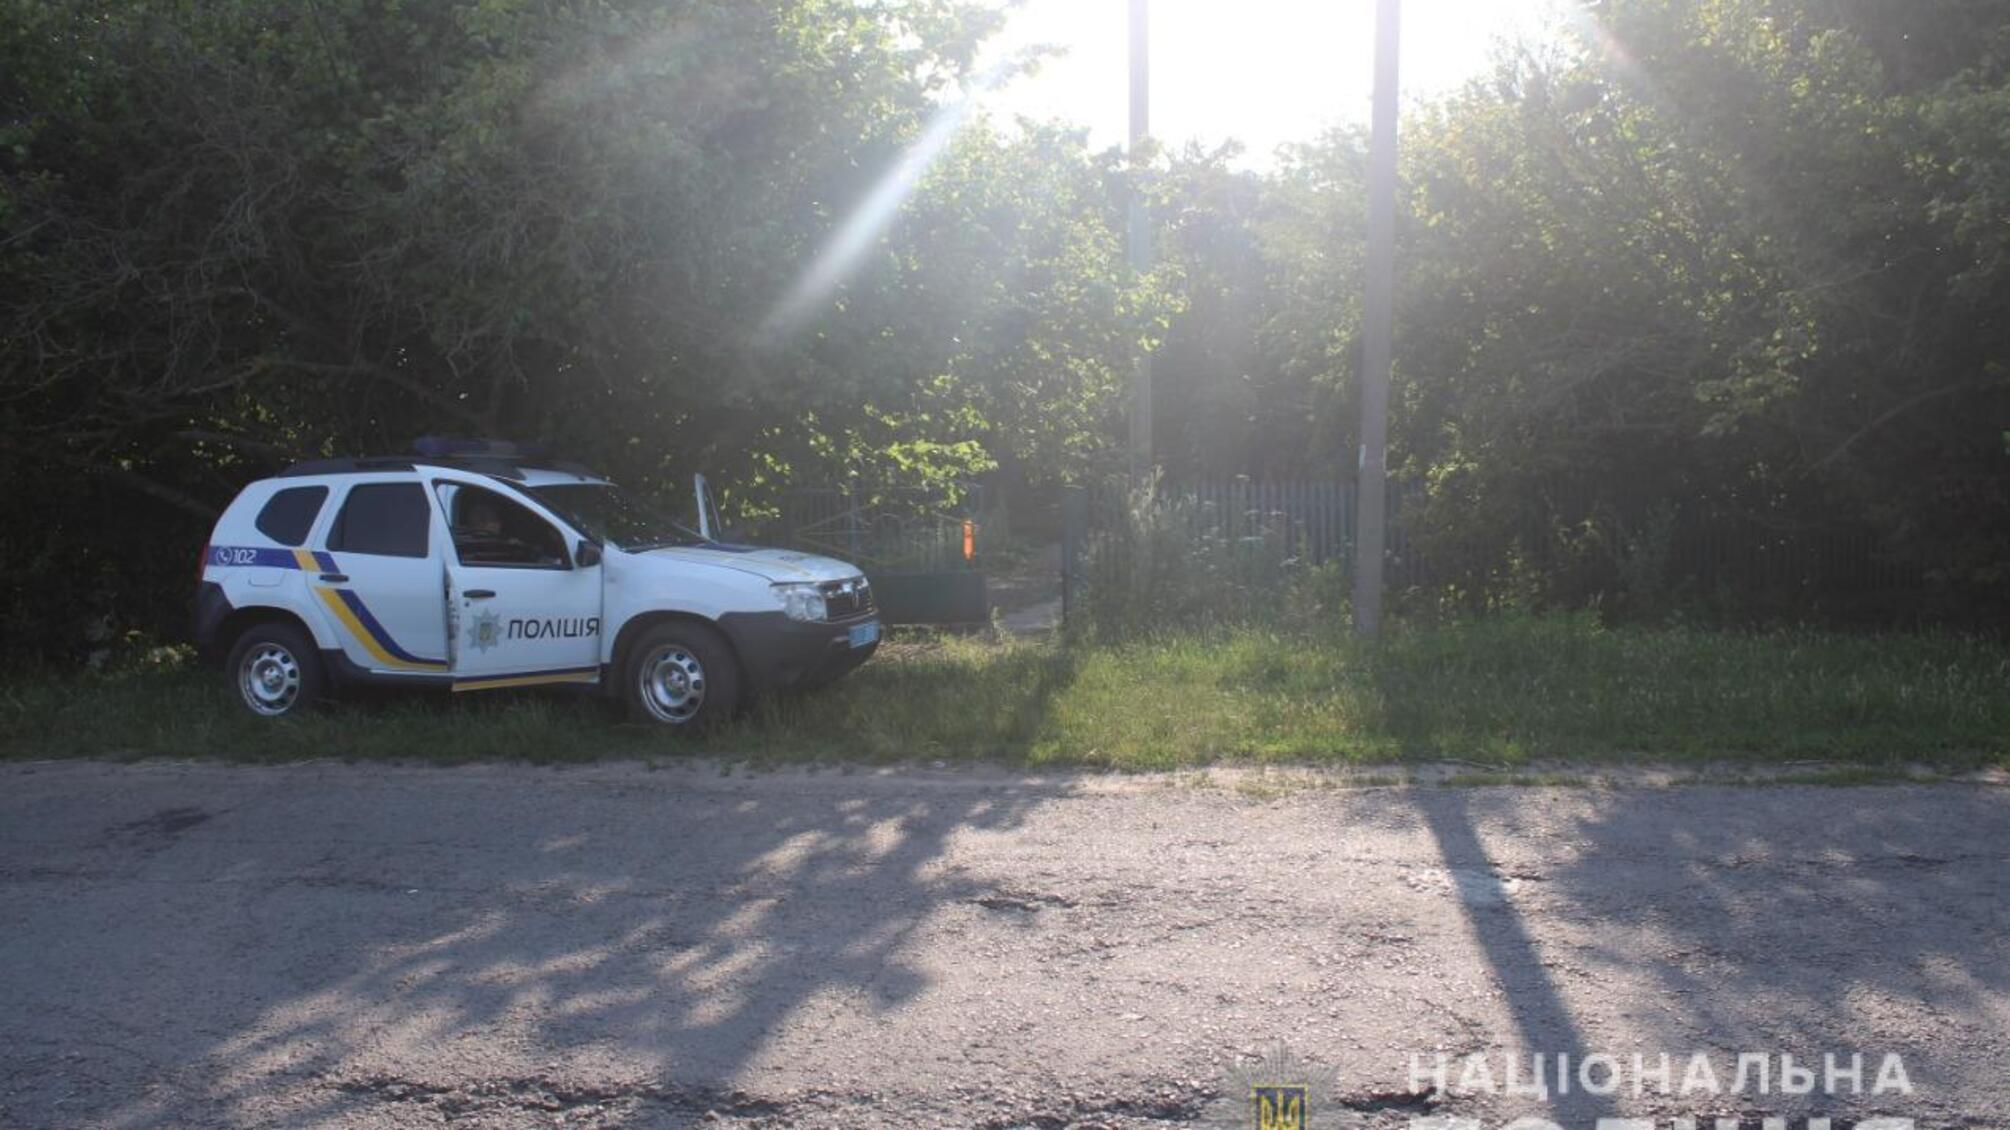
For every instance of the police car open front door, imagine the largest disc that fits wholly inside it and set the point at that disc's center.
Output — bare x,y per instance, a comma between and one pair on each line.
518,610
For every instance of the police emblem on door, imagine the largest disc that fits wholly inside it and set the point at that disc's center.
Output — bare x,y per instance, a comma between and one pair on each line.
484,631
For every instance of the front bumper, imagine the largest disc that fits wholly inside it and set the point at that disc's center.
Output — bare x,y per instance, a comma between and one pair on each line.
779,654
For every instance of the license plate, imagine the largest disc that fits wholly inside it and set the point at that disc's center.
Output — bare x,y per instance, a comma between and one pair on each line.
864,634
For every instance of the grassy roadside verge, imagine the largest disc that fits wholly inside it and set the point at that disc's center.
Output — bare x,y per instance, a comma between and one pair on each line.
1505,692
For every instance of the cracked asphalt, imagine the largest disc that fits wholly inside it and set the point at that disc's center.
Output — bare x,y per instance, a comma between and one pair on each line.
363,945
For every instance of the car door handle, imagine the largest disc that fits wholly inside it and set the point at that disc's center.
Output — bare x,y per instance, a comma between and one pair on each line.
479,594
336,578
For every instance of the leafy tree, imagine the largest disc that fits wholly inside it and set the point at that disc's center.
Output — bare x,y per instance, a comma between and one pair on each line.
240,231
1712,272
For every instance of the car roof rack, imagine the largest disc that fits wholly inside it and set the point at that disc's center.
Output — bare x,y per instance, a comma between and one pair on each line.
481,465
500,459
339,466
449,447
506,468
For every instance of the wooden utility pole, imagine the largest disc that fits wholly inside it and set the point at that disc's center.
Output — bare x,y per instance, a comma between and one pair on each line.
1378,315
1138,241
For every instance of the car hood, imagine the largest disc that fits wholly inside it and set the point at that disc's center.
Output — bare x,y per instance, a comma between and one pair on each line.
768,564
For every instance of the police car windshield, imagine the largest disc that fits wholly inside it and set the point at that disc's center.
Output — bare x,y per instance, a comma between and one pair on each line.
608,513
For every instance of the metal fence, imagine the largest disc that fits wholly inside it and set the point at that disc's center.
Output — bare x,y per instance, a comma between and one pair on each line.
1571,548
883,539
1218,546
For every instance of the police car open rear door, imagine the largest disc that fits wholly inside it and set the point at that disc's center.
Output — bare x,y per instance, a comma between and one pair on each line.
376,577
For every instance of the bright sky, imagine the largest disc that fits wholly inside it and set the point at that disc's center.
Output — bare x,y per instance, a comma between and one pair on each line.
1263,71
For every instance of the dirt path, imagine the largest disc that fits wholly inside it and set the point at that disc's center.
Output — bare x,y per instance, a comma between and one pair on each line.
371,946
1026,596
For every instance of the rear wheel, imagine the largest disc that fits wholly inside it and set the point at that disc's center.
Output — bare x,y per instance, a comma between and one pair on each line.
275,670
682,675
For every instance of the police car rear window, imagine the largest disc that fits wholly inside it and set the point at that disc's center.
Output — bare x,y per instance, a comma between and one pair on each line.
289,514
388,519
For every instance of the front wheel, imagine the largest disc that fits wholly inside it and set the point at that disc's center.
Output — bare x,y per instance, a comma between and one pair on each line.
275,670
681,675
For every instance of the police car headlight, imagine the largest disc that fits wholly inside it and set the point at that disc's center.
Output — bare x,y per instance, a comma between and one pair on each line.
801,602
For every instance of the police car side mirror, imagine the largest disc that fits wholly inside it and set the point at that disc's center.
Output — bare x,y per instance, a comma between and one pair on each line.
586,555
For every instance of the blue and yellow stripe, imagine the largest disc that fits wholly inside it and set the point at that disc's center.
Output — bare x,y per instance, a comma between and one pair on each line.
350,611
228,556
309,561
347,608
356,617
531,678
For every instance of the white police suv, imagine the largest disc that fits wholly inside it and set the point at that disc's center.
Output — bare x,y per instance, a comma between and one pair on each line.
474,566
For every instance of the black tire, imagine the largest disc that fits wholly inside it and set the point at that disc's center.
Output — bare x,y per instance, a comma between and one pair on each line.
275,670
680,675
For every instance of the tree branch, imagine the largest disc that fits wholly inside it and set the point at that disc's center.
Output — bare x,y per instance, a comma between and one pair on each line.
1900,409
144,485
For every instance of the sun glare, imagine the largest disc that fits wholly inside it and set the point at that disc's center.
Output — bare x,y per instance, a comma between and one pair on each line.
1260,72
1264,72
864,224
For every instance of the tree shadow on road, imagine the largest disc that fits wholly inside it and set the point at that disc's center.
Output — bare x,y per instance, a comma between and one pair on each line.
651,934
1543,1021
1770,921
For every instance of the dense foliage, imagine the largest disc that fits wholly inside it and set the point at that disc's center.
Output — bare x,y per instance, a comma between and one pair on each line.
1711,285
1726,269
238,232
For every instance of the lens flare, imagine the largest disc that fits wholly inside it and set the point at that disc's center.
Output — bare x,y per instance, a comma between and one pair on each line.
1605,48
876,213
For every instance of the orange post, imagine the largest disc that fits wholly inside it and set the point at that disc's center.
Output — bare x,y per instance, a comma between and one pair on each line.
969,540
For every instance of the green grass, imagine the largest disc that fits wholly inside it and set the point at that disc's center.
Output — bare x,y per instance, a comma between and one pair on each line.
1504,693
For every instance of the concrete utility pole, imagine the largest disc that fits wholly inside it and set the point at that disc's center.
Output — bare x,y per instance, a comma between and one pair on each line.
1139,236
1378,315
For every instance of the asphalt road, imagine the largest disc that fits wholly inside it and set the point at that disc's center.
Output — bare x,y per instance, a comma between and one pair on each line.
372,946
